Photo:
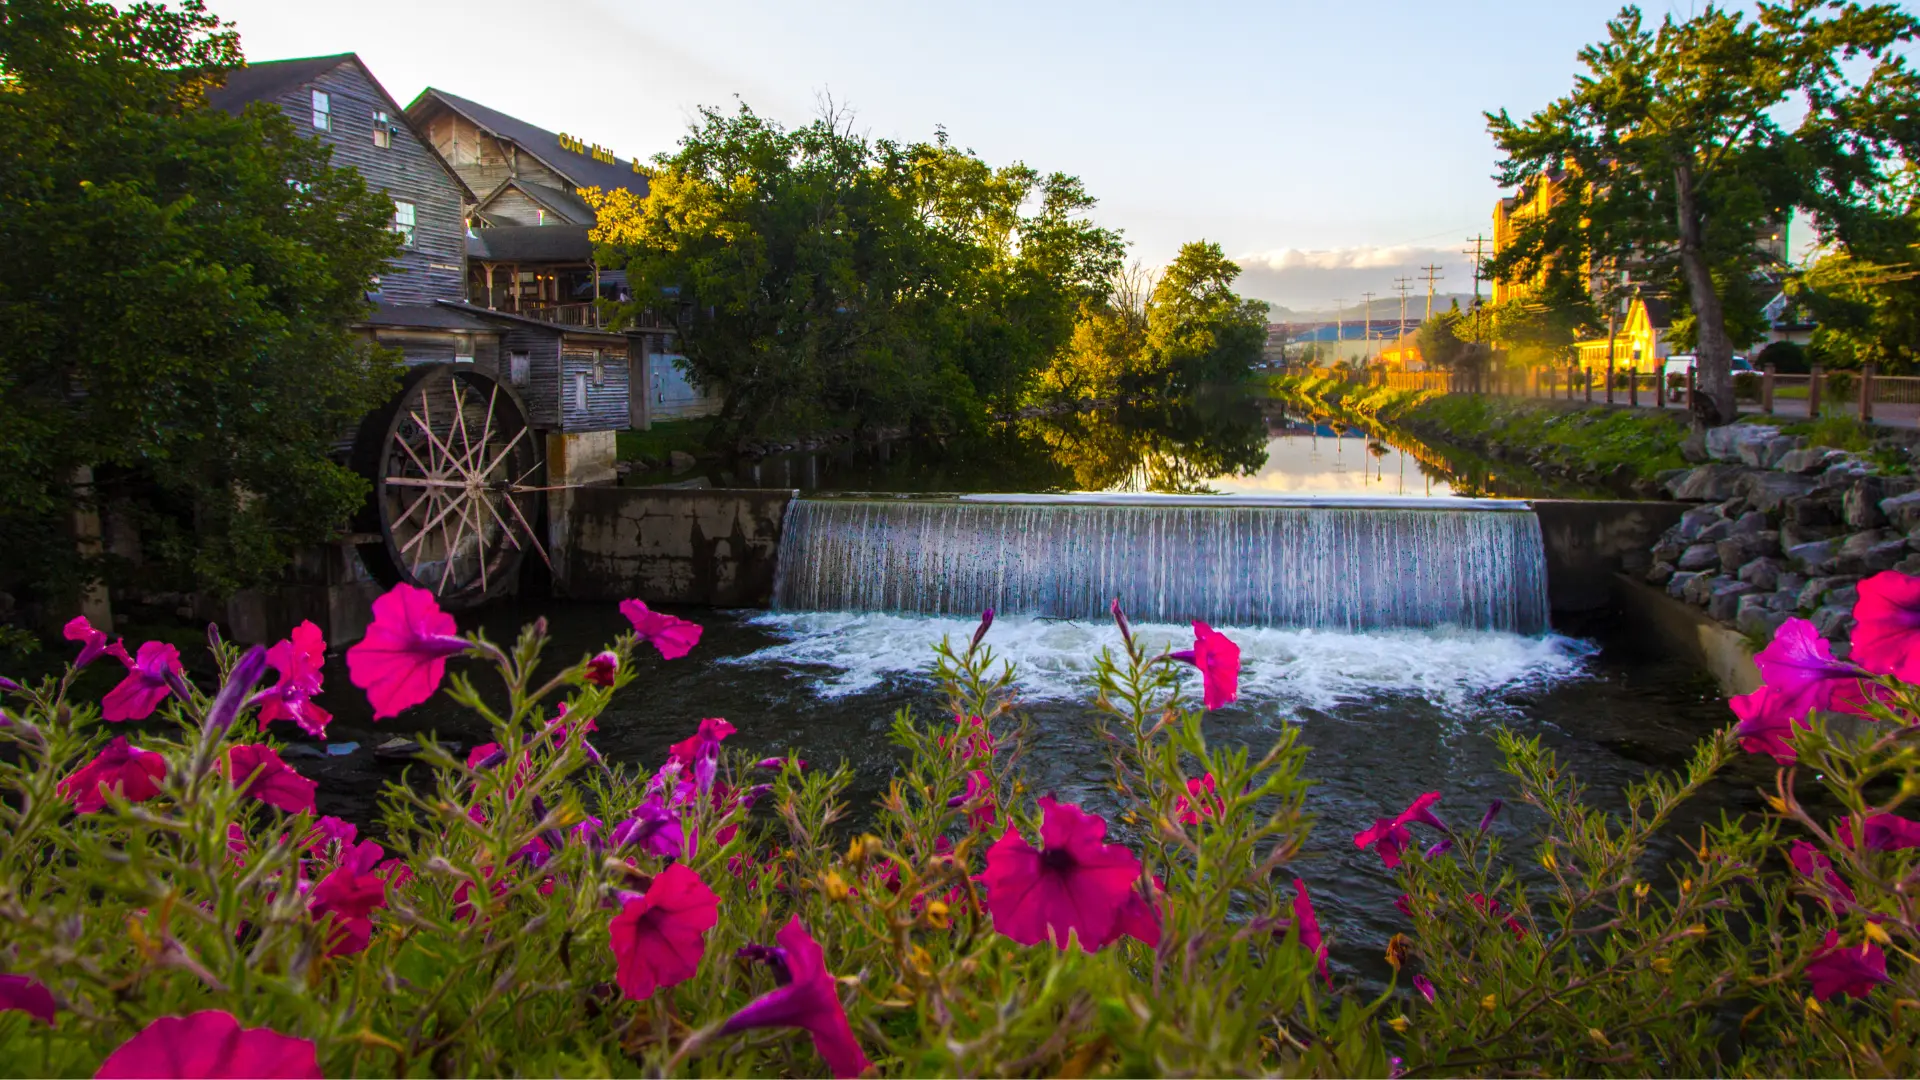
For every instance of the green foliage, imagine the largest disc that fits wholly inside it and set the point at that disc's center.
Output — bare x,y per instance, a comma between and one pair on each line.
1786,357
1682,145
663,438
175,302
1588,951
827,280
1866,298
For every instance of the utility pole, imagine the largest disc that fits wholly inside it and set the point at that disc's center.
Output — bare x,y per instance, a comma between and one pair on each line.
1403,285
1367,297
1433,273
1339,326
1479,246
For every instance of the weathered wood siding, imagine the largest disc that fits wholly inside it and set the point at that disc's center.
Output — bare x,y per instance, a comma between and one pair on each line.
434,268
606,400
483,161
542,391
514,208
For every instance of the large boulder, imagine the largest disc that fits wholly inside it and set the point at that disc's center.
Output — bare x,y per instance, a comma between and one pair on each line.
1737,551
1793,534
1749,523
1860,506
1728,443
1700,589
1700,557
1902,511
1815,592
1815,557
1694,521
1807,461
1723,601
1762,574
1768,491
1834,623
1870,552
1661,573
1678,583
1707,483
1757,617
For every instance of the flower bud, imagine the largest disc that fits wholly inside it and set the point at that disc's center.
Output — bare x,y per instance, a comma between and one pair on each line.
836,887
937,915
986,622
213,636
1120,617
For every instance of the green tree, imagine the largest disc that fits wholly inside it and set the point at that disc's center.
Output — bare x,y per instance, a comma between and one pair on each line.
1681,145
826,280
1439,340
174,303
1866,300
1198,329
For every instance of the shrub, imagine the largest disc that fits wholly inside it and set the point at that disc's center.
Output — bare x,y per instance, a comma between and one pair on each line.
534,908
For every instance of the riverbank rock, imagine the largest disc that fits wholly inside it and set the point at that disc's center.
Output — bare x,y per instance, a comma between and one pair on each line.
1815,557
1702,556
1723,602
1769,491
1759,616
1902,511
1806,462
1732,442
1708,483
1870,552
1678,583
1763,574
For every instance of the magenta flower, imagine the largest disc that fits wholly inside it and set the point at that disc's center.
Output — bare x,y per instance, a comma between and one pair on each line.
1390,836
1074,885
1809,863
146,684
778,763
1854,972
93,643
653,828
213,1045
298,660
602,668
979,795
1764,727
402,658
1426,988
1202,800
658,939
1309,926
1493,811
674,638
348,897
807,998
1798,665
1890,832
120,766
699,753
1139,916
1886,632
259,772
1218,659
18,993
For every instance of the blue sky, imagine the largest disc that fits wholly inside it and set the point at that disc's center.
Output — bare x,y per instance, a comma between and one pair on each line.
1330,146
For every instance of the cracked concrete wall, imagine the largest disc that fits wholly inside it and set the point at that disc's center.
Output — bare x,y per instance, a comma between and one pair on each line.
1588,541
717,547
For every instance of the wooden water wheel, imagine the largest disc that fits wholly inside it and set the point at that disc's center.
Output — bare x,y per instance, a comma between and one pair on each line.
456,473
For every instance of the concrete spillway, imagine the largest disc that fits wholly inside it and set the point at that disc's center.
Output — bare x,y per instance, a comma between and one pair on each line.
1244,561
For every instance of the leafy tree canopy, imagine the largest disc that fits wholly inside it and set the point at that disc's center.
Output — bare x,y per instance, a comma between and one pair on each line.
174,303
826,279
1682,144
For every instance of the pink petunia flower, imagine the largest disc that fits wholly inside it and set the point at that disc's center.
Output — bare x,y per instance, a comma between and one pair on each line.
348,896
146,684
699,753
1309,927
602,668
1884,832
674,638
1764,727
1798,665
402,658
93,643
18,993
120,766
1074,885
658,939
979,795
1390,836
1218,659
1886,632
259,772
1809,863
1854,972
652,828
1202,800
1426,988
213,1045
808,998
299,660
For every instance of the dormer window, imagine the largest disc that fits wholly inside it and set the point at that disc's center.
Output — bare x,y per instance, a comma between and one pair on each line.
382,130
322,111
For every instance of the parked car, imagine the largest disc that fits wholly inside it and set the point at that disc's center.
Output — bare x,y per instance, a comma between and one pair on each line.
1680,364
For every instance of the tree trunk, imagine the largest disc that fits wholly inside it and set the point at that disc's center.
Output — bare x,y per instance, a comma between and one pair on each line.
1713,350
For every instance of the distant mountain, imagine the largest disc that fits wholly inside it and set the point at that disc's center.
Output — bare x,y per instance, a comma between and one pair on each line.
1382,309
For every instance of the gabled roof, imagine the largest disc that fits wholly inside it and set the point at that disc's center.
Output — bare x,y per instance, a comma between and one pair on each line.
1659,311
489,315
426,317
270,79
564,203
542,144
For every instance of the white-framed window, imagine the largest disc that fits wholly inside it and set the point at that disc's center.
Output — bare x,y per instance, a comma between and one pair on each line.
518,364
382,129
403,221
322,111
580,392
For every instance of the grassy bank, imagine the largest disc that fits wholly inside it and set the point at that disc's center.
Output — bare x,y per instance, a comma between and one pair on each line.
663,438
1624,448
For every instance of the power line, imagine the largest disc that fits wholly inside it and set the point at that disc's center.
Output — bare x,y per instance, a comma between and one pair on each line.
1433,274
1403,285
1367,333
1479,246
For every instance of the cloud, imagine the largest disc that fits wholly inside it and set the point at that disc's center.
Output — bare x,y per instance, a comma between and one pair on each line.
1346,258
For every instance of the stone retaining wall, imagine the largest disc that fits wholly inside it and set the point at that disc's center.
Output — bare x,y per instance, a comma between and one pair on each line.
1785,529
716,547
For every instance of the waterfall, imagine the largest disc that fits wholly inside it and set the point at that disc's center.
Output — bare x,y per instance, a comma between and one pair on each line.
1241,561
